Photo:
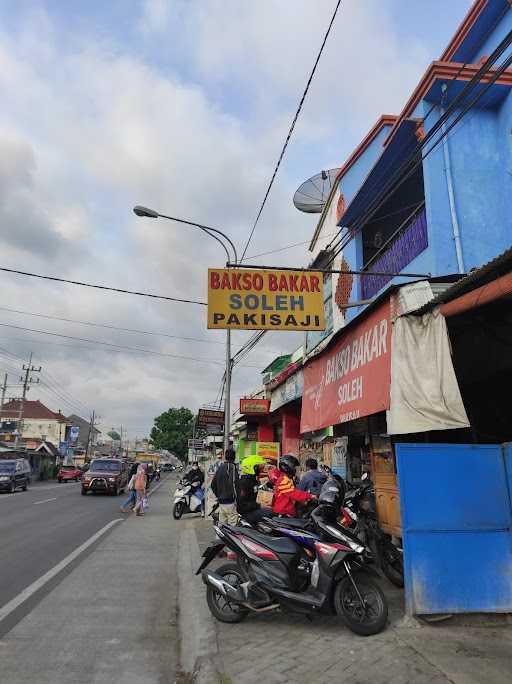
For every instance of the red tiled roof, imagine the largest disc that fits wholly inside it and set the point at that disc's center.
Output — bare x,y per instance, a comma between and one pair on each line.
31,409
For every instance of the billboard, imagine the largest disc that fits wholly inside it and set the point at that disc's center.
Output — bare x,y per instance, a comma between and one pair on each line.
351,378
209,417
244,299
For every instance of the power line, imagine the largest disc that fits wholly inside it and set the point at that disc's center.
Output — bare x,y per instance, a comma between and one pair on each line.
294,121
108,327
102,287
115,346
70,400
286,247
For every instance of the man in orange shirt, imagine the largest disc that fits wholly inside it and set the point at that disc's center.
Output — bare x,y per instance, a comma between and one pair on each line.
286,495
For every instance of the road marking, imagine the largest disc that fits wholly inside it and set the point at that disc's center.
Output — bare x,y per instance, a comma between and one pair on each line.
44,501
23,596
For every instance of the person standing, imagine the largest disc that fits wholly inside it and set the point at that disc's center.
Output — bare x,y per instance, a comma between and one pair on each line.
224,485
313,479
140,488
230,450
132,495
286,495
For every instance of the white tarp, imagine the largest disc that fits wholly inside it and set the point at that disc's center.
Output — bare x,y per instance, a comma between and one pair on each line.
424,391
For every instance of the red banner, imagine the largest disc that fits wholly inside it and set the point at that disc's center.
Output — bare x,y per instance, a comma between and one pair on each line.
351,379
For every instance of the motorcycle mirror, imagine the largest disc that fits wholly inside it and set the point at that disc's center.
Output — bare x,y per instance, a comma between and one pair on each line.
364,476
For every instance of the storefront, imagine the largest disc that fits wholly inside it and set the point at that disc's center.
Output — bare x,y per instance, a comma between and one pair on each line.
347,392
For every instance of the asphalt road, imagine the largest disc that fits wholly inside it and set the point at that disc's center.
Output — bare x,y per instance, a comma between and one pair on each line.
40,527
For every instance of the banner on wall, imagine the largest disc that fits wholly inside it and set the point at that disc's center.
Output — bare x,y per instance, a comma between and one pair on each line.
290,390
350,379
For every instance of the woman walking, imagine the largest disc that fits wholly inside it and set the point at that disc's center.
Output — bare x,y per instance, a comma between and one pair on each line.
132,496
140,488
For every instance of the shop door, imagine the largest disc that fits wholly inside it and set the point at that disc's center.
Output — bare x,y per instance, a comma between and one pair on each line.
456,522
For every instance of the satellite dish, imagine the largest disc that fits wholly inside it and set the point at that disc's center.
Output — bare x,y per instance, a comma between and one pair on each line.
312,195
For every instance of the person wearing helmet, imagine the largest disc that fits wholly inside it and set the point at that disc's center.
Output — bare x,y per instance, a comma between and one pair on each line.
286,495
251,470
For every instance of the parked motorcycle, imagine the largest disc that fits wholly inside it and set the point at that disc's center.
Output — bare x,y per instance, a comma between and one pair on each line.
360,517
188,498
302,575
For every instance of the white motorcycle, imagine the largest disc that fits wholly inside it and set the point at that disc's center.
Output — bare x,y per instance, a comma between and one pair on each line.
188,498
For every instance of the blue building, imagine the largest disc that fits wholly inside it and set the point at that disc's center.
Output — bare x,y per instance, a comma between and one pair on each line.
418,196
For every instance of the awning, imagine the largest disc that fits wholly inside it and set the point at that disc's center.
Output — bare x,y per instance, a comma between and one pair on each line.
399,149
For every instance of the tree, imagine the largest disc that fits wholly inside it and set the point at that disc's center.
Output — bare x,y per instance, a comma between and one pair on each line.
172,431
115,436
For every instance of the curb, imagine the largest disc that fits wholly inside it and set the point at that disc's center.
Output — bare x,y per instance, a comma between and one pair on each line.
198,647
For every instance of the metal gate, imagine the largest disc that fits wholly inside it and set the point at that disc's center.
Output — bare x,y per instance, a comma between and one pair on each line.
457,527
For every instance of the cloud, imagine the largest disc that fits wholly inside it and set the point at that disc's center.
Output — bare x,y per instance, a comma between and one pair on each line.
185,110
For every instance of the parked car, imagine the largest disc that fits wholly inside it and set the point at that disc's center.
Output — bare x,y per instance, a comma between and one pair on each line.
106,475
14,473
68,473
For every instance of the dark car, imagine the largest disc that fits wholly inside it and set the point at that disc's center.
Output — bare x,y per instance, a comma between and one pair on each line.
14,473
68,473
105,475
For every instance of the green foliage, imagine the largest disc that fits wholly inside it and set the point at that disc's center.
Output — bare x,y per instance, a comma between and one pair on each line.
114,435
172,431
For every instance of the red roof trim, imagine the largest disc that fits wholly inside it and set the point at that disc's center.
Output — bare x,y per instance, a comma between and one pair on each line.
445,70
463,30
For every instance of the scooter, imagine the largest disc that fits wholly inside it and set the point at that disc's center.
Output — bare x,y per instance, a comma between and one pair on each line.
188,498
359,516
273,573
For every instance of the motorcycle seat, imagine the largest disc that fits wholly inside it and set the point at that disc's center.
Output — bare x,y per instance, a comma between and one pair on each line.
299,523
277,544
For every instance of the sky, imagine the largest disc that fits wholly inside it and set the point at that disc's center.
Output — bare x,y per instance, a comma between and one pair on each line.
183,106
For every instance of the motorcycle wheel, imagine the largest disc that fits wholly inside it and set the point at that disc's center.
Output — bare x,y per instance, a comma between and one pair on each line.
363,621
392,564
177,510
220,607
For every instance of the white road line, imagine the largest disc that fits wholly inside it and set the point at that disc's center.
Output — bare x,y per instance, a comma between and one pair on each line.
23,596
44,501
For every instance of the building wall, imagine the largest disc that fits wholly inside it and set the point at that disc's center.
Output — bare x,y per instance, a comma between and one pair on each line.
36,427
494,38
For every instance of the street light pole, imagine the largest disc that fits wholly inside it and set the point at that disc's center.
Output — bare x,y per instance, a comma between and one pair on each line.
213,233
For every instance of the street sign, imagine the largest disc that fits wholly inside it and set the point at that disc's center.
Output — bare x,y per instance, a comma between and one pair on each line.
246,299
207,417
195,444
73,434
254,406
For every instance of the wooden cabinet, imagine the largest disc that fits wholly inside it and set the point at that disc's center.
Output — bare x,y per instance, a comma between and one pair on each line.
386,485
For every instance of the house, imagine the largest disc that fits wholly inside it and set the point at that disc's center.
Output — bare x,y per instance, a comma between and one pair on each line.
38,421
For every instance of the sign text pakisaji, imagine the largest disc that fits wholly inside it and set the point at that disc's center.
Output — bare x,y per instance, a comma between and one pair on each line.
265,300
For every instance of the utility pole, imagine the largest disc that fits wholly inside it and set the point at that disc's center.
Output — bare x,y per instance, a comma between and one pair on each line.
4,389
92,424
27,380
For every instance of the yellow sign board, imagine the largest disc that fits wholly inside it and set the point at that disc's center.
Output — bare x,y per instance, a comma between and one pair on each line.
268,450
246,299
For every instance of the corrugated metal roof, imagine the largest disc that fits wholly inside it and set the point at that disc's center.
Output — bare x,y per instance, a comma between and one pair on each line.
499,266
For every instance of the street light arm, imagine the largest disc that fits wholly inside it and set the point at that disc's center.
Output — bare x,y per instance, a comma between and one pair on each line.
207,229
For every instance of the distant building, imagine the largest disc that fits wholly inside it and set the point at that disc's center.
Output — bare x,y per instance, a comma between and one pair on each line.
84,428
38,421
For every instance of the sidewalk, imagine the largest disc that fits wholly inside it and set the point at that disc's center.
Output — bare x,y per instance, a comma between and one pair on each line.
287,648
113,619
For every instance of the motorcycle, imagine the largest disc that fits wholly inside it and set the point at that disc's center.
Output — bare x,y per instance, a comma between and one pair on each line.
359,516
306,576
188,498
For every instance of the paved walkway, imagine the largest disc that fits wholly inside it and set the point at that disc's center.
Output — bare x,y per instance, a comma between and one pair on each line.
286,648
113,618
